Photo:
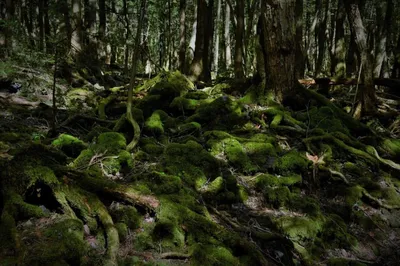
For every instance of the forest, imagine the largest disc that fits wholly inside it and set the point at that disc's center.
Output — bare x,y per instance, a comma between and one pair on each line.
199,132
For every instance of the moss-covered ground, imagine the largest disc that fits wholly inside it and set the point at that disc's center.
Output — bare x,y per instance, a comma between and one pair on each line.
214,180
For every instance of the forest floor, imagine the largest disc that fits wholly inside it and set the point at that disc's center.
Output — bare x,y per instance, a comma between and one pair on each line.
215,179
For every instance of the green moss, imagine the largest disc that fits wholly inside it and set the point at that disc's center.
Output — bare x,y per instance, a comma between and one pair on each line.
259,153
111,142
353,195
196,95
170,235
335,233
190,162
343,262
277,196
292,161
301,228
155,122
40,173
276,121
264,180
223,112
213,187
122,231
324,118
161,183
305,204
185,104
392,146
213,255
70,145
83,159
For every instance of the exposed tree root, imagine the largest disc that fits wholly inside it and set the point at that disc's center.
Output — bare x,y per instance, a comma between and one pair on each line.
175,255
109,188
377,201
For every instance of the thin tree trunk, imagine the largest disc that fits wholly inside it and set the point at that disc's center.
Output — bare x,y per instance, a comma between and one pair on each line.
227,37
76,39
127,35
135,57
366,95
47,29
383,31
104,48
339,53
320,34
182,38
216,45
41,25
197,65
239,73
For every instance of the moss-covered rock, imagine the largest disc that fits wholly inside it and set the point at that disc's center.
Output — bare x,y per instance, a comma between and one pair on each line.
293,161
191,163
70,145
213,255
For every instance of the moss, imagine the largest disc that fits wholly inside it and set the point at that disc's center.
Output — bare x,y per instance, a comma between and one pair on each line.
197,95
95,132
305,204
153,149
324,118
70,145
277,196
40,173
191,128
213,187
264,180
190,162
161,183
301,228
353,195
212,255
223,112
122,231
292,161
334,233
343,262
8,232
83,159
61,241
169,234
392,147
154,123
276,121
185,104
111,142
259,153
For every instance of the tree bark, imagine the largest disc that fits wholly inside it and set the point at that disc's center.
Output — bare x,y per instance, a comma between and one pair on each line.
47,29
239,73
396,64
322,11
76,38
383,33
300,66
366,95
277,29
227,37
216,45
339,53
182,39
41,25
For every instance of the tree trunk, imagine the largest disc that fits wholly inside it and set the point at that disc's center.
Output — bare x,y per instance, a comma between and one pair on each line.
41,25
197,65
239,73
322,11
300,66
135,57
396,64
127,35
104,48
383,32
67,21
76,39
7,41
339,53
182,39
216,45
277,28
47,29
227,37
366,95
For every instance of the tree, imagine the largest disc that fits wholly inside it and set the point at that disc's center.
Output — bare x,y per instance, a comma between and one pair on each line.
366,95
277,36
239,73
199,68
182,37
